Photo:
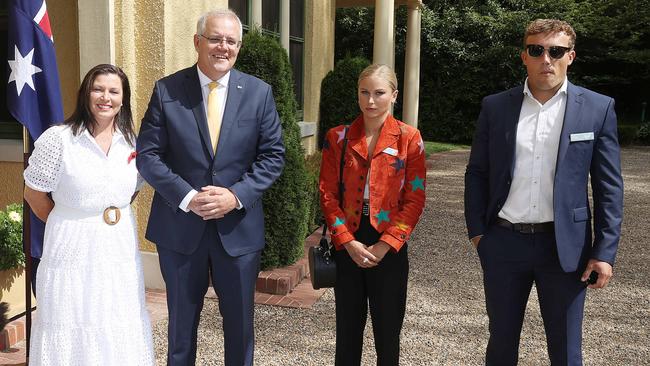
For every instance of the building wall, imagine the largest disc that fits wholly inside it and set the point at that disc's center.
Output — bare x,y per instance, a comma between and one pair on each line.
11,174
319,57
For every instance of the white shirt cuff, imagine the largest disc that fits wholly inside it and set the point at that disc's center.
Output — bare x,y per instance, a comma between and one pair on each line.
239,204
186,201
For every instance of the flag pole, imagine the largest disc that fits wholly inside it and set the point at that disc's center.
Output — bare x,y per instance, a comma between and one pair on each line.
27,248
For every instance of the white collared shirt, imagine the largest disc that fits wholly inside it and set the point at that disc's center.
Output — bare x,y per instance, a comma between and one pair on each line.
530,199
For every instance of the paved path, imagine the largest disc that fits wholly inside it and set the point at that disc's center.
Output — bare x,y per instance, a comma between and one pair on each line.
446,322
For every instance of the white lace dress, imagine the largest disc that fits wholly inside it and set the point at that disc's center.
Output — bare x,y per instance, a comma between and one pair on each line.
90,288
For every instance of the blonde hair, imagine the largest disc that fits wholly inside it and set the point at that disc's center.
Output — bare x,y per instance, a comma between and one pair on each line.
538,26
382,71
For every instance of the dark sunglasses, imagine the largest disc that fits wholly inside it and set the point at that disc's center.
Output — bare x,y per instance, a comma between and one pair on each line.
556,52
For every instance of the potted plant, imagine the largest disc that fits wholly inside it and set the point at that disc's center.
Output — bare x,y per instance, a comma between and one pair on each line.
12,259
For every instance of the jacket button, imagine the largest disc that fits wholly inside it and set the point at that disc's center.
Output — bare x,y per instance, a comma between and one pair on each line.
333,231
214,173
361,177
403,236
358,189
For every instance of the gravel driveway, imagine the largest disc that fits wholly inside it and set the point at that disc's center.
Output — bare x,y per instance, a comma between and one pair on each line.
445,320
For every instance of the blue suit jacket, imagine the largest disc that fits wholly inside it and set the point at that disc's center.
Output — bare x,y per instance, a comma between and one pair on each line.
175,155
491,164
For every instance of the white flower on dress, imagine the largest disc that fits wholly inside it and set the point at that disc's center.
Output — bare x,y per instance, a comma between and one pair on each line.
15,216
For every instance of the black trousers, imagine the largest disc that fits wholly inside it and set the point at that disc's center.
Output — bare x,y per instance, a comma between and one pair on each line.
383,288
511,263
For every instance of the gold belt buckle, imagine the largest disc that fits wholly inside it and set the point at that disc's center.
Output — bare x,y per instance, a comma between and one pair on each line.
107,215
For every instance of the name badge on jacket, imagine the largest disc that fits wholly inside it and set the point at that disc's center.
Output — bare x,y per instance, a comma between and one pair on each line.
585,136
390,151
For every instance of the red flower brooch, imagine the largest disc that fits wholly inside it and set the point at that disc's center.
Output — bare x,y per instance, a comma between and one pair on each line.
131,157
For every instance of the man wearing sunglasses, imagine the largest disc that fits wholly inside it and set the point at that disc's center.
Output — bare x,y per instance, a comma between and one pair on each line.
526,197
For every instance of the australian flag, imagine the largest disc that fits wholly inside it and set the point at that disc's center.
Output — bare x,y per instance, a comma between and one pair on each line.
33,92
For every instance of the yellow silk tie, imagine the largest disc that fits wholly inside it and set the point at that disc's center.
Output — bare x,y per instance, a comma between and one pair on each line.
214,118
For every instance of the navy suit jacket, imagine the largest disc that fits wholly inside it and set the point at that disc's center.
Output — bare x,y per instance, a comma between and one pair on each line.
175,155
491,165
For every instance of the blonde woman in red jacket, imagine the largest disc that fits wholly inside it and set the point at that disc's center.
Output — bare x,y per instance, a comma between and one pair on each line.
383,197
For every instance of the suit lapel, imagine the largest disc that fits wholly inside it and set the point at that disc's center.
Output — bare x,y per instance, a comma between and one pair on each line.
235,92
511,113
388,136
193,91
571,120
356,138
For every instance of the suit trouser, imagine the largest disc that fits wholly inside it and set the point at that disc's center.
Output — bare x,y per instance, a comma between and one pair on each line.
383,288
186,280
511,263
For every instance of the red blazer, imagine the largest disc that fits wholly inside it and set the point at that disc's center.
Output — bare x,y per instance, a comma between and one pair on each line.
397,181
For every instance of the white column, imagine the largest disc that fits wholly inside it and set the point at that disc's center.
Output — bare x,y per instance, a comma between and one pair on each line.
412,64
256,13
96,34
384,41
285,15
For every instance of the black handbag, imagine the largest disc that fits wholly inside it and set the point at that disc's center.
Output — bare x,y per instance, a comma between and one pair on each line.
322,267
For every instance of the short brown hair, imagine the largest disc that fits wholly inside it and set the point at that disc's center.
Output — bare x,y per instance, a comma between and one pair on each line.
538,26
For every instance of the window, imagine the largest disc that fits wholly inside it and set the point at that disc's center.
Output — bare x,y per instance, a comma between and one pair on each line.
271,26
296,47
240,7
271,16
9,127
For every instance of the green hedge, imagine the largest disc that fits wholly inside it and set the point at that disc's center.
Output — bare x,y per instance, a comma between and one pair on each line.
287,202
11,237
627,134
643,134
338,95
313,172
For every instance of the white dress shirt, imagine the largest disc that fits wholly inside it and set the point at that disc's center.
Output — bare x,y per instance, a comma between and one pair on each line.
530,199
222,95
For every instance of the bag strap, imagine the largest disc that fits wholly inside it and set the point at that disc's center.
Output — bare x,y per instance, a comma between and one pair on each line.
341,164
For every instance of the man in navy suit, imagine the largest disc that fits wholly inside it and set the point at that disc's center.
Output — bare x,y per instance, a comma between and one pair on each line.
210,144
526,197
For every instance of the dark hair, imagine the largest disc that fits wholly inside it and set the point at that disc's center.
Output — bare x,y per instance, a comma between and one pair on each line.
538,26
82,118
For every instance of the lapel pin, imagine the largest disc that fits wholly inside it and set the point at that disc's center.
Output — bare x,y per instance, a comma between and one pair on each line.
239,86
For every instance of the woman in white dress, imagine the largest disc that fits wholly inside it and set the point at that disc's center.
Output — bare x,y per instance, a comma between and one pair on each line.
90,289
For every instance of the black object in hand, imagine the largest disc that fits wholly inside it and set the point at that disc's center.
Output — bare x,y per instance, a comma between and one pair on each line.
593,277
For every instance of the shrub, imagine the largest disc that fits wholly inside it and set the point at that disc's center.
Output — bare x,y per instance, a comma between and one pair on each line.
626,134
338,95
11,237
643,134
286,203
